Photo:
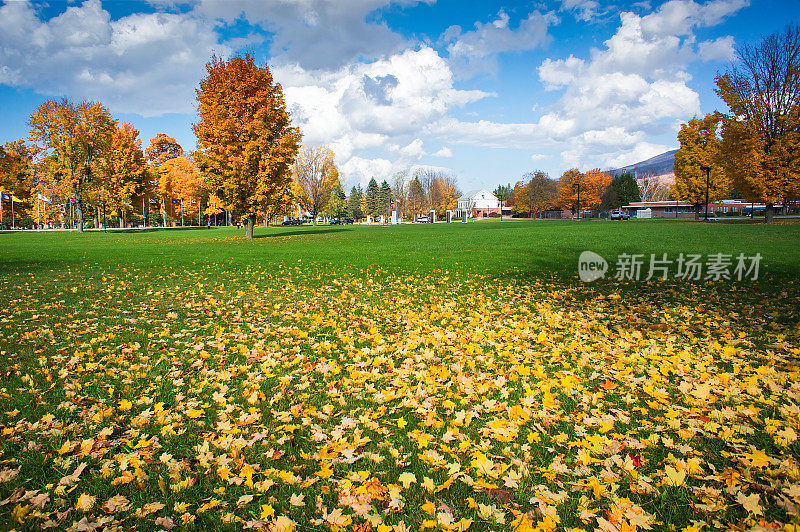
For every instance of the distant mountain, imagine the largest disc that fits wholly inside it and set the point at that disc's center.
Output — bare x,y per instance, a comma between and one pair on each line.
655,166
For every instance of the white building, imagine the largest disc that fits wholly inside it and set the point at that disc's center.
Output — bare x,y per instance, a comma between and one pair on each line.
478,204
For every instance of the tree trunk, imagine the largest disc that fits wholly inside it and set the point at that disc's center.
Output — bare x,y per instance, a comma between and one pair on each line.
79,208
248,226
769,213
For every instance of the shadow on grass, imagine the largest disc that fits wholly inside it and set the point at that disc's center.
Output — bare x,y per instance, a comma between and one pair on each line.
315,231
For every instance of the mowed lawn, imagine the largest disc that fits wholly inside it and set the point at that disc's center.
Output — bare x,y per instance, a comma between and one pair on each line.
445,377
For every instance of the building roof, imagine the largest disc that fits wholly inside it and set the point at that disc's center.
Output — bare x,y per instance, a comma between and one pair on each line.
472,194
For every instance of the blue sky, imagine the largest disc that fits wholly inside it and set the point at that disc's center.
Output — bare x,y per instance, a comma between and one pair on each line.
485,90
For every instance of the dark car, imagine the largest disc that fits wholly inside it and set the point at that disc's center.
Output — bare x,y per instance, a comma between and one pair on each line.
292,221
619,215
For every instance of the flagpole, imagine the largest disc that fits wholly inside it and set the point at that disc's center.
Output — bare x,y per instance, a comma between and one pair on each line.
181,212
38,217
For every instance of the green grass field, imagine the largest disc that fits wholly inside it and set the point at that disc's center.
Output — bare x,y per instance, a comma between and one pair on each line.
452,377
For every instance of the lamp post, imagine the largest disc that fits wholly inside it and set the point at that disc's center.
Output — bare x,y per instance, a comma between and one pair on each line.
707,170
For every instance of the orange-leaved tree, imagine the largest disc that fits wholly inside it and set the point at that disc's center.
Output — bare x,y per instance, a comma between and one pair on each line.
246,143
74,137
124,169
163,148
179,179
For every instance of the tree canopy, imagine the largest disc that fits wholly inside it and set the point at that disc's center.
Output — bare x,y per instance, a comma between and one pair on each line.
246,143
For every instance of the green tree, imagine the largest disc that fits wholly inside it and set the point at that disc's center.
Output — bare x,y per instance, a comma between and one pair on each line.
625,190
385,198
373,205
354,210
337,205
246,144
504,193
700,147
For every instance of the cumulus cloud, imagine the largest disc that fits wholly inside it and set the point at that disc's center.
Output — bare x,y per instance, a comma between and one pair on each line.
317,34
143,63
444,151
475,51
373,105
635,86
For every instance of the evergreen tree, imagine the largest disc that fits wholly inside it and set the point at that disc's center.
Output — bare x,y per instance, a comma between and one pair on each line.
354,204
626,190
385,198
373,206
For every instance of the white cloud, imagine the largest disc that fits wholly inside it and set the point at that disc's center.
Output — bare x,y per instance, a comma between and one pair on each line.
640,152
444,152
539,157
475,51
387,103
317,34
584,10
717,49
633,87
143,63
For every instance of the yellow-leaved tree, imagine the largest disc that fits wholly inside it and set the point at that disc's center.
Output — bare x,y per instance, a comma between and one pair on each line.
246,143
73,138
314,170
700,148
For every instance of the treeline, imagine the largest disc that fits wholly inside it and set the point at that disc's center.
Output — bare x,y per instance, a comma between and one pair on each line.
409,195
753,150
574,191
88,166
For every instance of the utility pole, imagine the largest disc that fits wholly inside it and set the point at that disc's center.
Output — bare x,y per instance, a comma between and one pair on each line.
707,170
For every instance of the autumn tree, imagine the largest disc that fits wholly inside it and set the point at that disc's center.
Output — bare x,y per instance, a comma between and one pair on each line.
578,191
315,171
179,179
400,191
16,172
246,144
124,171
760,149
416,197
536,193
163,148
76,136
700,147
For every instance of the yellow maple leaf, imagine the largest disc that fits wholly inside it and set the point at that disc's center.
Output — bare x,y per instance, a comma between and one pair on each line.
674,477
406,479
125,405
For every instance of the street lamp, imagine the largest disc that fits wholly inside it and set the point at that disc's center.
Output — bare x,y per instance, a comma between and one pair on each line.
707,170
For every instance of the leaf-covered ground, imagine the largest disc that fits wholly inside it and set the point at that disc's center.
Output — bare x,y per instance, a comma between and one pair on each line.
295,396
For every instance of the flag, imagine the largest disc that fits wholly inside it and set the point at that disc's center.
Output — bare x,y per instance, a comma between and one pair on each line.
73,201
154,202
194,202
4,196
44,198
176,202
14,198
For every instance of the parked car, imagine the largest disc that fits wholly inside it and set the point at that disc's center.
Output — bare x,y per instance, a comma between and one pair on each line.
423,219
341,221
619,215
292,221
